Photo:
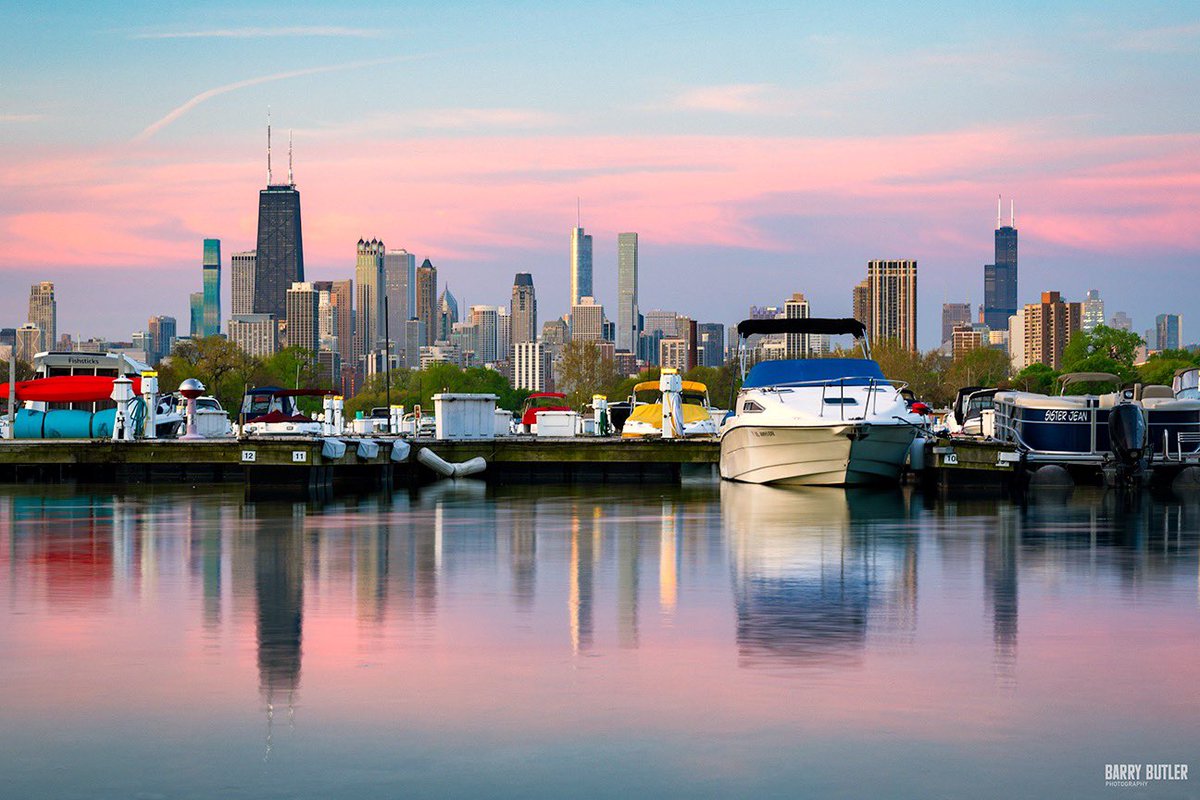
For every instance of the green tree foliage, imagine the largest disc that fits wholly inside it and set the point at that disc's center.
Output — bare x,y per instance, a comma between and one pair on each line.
1161,367
722,382
1036,378
921,371
1103,349
982,366
222,366
585,371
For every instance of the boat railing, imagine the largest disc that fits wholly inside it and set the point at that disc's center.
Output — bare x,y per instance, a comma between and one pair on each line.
872,383
1007,430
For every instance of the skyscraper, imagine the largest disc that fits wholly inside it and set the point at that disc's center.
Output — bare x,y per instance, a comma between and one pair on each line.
581,266
485,324
1093,310
369,276
211,271
341,294
1121,321
303,321
241,270
627,291
531,366
196,311
43,312
279,260
712,344
861,303
28,342
954,314
1168,332
892,293
400,288
427,299
523,309
162,338
1000,278
256,334
447,314
797,344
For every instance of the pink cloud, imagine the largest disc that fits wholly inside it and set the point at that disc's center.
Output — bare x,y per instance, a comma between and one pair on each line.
456,197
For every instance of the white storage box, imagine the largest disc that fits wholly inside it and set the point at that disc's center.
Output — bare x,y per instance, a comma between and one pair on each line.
557,423
465,416
503,422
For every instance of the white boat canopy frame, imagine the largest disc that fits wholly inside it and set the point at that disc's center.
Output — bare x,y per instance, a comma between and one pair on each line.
826,326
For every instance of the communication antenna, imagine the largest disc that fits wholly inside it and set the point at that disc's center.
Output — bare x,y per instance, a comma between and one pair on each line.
268,145
998,212
1013,213
291,180
578,212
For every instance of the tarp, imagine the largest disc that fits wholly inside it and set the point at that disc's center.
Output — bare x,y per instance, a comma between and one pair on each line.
855,371
67,389
815,325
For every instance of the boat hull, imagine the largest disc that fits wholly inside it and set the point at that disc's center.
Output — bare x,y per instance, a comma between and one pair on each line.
845,454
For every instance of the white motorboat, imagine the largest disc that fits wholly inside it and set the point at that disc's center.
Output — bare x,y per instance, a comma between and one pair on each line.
822,421
272,411
645,421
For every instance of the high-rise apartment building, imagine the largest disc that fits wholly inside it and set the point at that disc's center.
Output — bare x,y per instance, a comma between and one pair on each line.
953,315
673,353
369,278
1093,310
627,291
523,309
400,288
414,340
796,344
1000,277
256,334
688,332
211,274
531,366
587,320
503,336
1048,327
303,320
163,334
427,307
581,266
279,260
485,323
241,279
43,312
892,293
1168,332
967,337
861,303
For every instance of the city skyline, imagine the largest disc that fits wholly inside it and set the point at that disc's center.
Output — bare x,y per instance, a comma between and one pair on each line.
783,169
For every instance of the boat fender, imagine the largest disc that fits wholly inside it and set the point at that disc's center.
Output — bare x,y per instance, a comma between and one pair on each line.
446,469
367,448
1187,481
401,451
1051,475
332,449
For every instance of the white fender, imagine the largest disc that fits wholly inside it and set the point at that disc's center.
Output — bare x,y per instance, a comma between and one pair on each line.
444,467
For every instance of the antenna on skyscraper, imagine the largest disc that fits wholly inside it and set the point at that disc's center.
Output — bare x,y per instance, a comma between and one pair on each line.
998,213
578,212
291,180
268,145
1013,213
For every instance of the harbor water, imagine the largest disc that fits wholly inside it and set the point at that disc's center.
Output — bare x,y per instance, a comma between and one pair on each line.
704,640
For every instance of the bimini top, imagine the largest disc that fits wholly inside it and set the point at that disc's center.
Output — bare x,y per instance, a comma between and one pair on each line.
816,325
856,371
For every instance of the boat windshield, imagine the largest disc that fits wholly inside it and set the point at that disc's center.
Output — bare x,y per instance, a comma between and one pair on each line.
814,371
691,397
545,402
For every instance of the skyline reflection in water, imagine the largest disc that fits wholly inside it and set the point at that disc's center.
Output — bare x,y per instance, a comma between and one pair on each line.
709,639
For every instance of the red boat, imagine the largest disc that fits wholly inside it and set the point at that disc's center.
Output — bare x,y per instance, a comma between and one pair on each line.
538,402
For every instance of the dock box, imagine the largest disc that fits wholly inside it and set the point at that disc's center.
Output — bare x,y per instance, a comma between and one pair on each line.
465,416
557,423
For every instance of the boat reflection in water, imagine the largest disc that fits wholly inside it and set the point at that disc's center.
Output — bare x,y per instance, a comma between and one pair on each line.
815,568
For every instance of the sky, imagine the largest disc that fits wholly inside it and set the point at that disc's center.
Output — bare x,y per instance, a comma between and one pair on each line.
758,149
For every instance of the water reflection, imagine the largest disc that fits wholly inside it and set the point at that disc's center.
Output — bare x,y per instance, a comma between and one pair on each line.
577,612
812,566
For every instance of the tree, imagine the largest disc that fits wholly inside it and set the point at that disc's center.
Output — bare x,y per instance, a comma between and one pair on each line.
1036,378
981,366
410,388
722,382
222,366
922,372
1161,367
1112,343
585,371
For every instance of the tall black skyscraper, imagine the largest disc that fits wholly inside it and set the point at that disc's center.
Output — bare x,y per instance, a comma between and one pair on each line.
1000,278
280,259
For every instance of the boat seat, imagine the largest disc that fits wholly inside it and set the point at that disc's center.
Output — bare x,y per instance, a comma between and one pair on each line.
1033,400
1155,391
1109,400
1171,404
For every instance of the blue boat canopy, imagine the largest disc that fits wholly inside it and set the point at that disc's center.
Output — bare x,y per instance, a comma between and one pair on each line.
856,371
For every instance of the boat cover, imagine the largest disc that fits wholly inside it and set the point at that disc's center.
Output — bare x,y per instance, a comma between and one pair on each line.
67,389
813,325
856,371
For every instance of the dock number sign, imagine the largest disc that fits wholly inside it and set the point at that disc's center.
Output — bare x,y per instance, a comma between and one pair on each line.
300,456
249,455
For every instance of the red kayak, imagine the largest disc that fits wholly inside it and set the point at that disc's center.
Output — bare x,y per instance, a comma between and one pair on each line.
67,389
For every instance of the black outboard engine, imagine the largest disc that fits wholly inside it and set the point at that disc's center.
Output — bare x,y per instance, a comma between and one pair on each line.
1128,433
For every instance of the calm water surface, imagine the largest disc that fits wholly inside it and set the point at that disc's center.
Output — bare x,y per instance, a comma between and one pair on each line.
709,640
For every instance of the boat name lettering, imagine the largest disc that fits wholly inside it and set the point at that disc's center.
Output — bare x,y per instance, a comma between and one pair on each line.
764,433
1064,415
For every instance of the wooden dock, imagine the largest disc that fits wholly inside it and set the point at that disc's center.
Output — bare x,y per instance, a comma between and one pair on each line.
302,462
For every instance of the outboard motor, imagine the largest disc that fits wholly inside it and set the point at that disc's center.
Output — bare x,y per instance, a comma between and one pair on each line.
1128,433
